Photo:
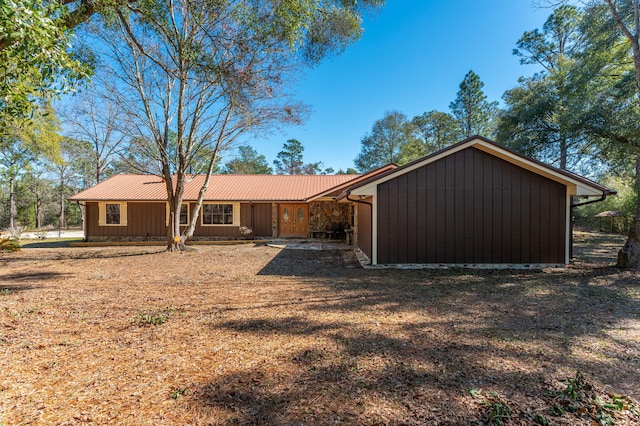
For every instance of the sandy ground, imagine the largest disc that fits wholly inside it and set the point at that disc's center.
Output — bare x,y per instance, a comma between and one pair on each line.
252,334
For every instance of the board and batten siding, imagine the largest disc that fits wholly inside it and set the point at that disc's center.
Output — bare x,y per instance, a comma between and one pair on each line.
148,220
471,207
364,227
256,216
143,220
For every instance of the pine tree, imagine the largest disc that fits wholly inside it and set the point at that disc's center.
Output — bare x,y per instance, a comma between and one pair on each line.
474,114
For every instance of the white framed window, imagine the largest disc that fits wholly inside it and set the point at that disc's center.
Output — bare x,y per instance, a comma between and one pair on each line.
112,214
217,214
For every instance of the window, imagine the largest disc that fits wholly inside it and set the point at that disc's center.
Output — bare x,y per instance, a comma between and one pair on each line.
217,214
184,214
113,214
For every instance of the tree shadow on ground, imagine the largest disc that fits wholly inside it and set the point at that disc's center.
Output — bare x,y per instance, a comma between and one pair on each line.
310,263
409,346
29,244
73,253
7,280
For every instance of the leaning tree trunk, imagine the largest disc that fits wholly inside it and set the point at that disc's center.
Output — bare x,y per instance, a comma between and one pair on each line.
629,255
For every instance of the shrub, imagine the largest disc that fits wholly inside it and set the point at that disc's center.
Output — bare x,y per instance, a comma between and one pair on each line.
9,245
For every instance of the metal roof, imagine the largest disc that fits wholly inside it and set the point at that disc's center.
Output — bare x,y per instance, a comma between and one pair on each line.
230,187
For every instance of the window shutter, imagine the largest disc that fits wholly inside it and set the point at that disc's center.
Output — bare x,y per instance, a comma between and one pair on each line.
123,214
236,214
102,214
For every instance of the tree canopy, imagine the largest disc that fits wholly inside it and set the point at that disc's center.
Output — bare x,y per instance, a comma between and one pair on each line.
384,144
473,113
191,76
289,161
248,161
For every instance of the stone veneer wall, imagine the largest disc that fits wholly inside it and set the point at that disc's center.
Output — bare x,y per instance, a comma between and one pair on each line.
324,214
274,220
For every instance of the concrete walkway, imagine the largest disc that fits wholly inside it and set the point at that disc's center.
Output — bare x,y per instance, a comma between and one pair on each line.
50,234
311,244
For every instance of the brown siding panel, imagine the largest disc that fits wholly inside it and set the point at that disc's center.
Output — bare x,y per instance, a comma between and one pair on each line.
143,220
257,217
471,207
148,220
364,228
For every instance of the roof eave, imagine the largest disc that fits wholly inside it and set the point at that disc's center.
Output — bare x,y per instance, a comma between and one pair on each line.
586,186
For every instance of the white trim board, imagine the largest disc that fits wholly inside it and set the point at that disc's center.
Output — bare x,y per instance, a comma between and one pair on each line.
574,186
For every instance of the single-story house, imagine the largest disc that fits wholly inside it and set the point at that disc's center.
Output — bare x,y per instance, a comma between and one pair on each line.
475,203
134,207
472,203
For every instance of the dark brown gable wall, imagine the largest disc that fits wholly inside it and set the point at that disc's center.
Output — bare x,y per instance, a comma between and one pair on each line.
471,207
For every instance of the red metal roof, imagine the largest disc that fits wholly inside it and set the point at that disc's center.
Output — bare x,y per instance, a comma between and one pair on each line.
221,187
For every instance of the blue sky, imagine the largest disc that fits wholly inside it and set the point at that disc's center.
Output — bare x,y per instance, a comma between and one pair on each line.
411,58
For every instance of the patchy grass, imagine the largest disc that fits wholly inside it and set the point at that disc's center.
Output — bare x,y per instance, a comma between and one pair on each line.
259,335
155,316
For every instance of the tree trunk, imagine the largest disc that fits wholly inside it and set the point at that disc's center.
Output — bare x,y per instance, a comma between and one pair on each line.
175,241
62,218
629,254
12,205
37,208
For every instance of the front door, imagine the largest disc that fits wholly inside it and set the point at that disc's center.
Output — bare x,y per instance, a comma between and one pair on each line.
293,220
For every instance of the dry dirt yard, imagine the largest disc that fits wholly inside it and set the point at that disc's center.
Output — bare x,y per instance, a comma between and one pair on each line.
250,334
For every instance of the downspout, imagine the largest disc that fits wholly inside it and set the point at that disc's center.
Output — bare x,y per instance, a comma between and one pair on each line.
370,214
572,206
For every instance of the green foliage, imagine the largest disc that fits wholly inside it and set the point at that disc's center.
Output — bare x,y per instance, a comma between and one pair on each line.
385,143
473,113
349,171
496,411
579,113
540,115
155,316
248,162
289,161
178,392
624,201
541,419
36,61
437,130
9,245
578,401
580,398
560,39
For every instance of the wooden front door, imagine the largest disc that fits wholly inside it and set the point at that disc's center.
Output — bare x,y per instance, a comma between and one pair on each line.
293,220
